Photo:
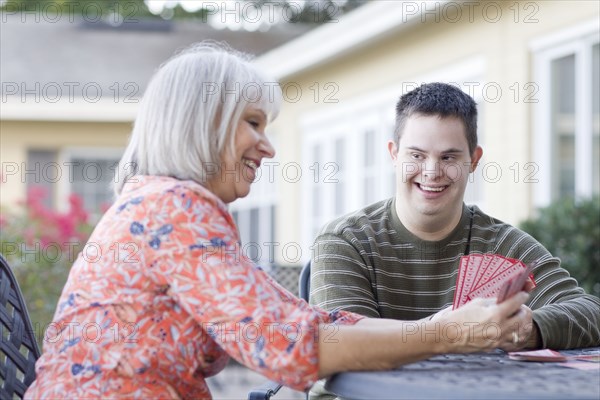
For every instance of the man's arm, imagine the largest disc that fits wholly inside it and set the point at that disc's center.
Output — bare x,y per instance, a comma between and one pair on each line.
340,278
564,314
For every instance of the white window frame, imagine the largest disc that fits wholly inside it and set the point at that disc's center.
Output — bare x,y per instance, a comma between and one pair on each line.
578,41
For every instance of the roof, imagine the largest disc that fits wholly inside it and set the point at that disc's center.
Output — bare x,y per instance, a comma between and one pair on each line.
64,61
371,22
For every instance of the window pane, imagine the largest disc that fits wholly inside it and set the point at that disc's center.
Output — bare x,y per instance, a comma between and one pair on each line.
92,181
476,179
271,247
369,148
317,176
563,126
316,202
369,190
41,171
340,186
254,244
368,168
595,119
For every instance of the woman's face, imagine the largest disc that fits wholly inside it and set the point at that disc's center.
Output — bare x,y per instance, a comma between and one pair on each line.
238,170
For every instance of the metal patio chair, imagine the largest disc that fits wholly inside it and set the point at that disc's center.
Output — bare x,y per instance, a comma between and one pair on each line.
18,348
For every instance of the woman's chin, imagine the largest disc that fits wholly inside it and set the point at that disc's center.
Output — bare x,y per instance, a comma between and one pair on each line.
242,192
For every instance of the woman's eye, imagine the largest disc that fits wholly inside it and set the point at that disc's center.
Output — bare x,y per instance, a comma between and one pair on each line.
254,124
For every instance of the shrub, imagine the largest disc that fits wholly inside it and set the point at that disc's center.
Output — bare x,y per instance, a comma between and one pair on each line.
570,230
40,245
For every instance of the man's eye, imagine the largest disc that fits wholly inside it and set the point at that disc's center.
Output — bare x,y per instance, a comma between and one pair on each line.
416,156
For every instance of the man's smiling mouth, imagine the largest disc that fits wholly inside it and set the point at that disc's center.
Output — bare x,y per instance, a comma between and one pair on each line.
431,188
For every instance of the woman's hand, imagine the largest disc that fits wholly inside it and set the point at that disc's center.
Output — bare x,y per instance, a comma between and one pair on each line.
440,314
376,344
483,325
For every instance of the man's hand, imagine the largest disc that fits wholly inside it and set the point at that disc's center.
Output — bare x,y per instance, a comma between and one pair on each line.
526,334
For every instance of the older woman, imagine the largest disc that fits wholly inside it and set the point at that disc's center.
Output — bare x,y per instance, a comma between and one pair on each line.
162,295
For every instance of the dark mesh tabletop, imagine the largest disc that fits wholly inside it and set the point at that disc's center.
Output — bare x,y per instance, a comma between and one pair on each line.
476,376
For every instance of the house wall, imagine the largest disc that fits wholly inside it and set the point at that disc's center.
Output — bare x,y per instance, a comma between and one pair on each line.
18,137
430,46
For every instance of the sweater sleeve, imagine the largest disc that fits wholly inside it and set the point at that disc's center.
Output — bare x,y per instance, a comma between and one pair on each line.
340,278
238,305
566,316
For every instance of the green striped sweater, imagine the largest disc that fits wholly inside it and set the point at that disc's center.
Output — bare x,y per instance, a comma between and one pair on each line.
369,263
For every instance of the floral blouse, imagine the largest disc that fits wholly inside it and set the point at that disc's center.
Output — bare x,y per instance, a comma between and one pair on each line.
162,295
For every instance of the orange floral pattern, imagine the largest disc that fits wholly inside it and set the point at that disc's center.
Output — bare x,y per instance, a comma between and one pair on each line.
162,295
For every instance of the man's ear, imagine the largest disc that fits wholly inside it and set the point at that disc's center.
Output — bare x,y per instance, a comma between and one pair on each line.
393,150
475,157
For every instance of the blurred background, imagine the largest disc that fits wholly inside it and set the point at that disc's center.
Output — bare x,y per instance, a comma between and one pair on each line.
73,72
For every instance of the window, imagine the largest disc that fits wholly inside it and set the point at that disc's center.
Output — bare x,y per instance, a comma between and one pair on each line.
89,173
477,179
318,188
256,228
567,121
596,118
370,166
342,178
42,171
92,180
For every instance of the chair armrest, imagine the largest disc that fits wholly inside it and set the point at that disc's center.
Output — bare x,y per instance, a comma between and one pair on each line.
265,391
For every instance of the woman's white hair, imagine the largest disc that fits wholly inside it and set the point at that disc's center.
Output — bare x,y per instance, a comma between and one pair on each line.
189,113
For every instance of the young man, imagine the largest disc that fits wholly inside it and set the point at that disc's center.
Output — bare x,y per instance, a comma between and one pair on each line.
398,258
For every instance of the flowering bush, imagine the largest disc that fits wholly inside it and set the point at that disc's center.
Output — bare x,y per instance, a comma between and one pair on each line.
40,245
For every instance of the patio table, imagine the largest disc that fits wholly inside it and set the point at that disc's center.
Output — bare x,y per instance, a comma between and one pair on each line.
473,376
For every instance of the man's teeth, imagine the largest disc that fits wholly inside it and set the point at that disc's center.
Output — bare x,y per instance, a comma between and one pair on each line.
250,164
432,189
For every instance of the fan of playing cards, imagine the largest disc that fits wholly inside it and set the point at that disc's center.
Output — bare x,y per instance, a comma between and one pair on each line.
490,275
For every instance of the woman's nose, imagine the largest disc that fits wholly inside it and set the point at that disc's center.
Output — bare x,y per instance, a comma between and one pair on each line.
266,148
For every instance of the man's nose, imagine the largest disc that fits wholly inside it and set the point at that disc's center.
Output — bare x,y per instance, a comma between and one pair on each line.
431,169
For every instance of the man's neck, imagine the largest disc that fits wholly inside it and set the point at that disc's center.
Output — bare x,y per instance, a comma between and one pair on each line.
429,227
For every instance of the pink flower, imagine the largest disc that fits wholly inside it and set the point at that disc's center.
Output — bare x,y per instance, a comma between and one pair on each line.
41,225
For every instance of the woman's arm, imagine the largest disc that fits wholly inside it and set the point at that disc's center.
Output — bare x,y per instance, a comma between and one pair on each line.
377,344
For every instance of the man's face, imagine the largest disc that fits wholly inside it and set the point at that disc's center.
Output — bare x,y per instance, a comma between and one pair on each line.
432,163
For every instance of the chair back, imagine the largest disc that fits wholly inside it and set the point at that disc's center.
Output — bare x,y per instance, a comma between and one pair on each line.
304,282
18,348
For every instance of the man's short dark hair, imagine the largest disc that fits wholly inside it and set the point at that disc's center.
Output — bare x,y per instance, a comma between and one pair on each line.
439,99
